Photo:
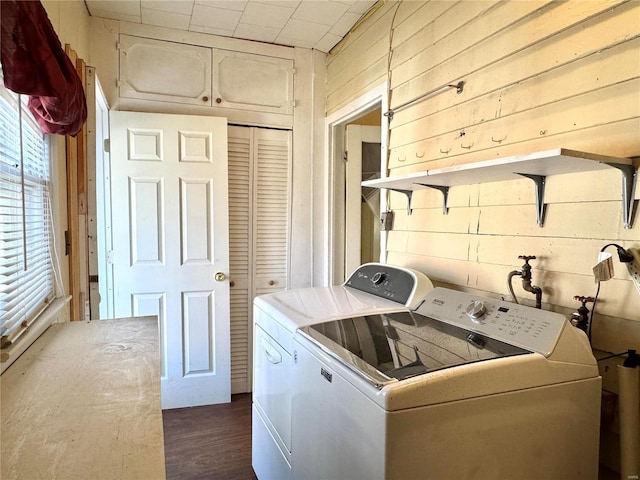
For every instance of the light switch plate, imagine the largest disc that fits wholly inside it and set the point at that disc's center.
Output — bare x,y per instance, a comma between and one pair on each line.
386,221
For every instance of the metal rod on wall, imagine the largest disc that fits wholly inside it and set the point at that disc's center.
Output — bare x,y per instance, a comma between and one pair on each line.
458,86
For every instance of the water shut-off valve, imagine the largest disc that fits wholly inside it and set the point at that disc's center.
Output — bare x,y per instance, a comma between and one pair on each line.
525,273
580,318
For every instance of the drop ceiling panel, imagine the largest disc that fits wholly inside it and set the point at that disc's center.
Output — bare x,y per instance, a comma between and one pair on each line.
318,24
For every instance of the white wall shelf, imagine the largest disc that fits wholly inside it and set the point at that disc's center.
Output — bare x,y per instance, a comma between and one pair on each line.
535,166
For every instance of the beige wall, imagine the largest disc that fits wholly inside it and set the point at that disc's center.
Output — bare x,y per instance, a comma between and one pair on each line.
539,75
70,20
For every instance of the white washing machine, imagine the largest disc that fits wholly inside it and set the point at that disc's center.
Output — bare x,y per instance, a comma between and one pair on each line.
372,288
462,388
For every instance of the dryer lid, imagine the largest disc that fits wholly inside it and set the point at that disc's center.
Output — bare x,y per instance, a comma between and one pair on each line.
385,348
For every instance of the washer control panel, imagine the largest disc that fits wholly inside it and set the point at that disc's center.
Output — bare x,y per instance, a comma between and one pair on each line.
526,327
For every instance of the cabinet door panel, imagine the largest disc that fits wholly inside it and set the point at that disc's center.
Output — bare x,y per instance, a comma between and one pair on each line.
253,82
164,71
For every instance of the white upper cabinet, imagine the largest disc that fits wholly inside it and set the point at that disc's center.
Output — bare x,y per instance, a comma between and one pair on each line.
253,82
164,71
173,72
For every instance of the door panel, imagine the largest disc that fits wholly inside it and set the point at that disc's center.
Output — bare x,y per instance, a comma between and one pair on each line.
253,82
147,220
164,71
273,157
170,239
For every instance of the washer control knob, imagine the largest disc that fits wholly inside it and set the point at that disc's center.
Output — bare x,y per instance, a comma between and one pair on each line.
476,310
378,278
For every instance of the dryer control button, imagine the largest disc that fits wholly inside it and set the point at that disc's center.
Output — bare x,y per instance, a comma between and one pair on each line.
476,310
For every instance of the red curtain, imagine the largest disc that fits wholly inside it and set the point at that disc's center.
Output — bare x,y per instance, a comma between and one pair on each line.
34,64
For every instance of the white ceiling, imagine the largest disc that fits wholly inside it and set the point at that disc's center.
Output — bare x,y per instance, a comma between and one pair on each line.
318,24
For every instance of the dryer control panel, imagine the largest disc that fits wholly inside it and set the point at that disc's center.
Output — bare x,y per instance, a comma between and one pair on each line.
399,284
526,327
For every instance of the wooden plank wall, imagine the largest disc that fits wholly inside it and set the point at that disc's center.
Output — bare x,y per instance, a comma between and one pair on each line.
539,75
77,210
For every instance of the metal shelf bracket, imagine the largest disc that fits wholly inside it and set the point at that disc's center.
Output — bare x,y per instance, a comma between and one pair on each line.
408,194
445,195
539,180
629,177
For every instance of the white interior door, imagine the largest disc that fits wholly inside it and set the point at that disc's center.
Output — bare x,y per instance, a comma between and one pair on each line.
355,137
171,251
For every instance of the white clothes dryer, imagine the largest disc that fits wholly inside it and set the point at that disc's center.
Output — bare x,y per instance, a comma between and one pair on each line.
372,288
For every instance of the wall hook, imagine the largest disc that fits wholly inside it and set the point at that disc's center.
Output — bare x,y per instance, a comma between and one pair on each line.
446,152
467,147
498,140
419,156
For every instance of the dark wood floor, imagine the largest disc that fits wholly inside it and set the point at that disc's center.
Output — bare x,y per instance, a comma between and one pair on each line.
211,442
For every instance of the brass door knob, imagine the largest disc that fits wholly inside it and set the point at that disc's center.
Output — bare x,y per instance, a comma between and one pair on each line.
220,277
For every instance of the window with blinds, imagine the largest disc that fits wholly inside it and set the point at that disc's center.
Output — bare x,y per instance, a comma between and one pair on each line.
26,269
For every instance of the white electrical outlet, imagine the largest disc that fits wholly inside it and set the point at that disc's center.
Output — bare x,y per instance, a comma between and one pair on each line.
634,267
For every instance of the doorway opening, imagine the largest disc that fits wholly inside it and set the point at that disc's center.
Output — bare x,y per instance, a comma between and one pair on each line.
357,145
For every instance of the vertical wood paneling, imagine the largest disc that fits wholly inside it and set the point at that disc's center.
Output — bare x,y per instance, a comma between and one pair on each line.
539,75
78,243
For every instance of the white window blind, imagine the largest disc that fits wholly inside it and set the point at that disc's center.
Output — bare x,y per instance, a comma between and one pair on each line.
26,269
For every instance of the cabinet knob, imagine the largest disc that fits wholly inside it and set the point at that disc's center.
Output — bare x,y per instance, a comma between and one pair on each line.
205,99
232,283
218,100
272,282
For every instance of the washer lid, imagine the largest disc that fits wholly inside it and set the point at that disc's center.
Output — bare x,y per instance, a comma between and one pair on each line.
386,348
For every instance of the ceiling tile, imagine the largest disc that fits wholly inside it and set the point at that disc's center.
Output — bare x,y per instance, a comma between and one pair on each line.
256,32
228,4
302,23
281,3
311,32
266,15
211,31
183,7
298,42
344,23
327,42
115,16
361,6
324,12
165,19
130,9
220,18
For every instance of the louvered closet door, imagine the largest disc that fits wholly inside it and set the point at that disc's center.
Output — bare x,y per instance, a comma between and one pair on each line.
259,166
271,210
